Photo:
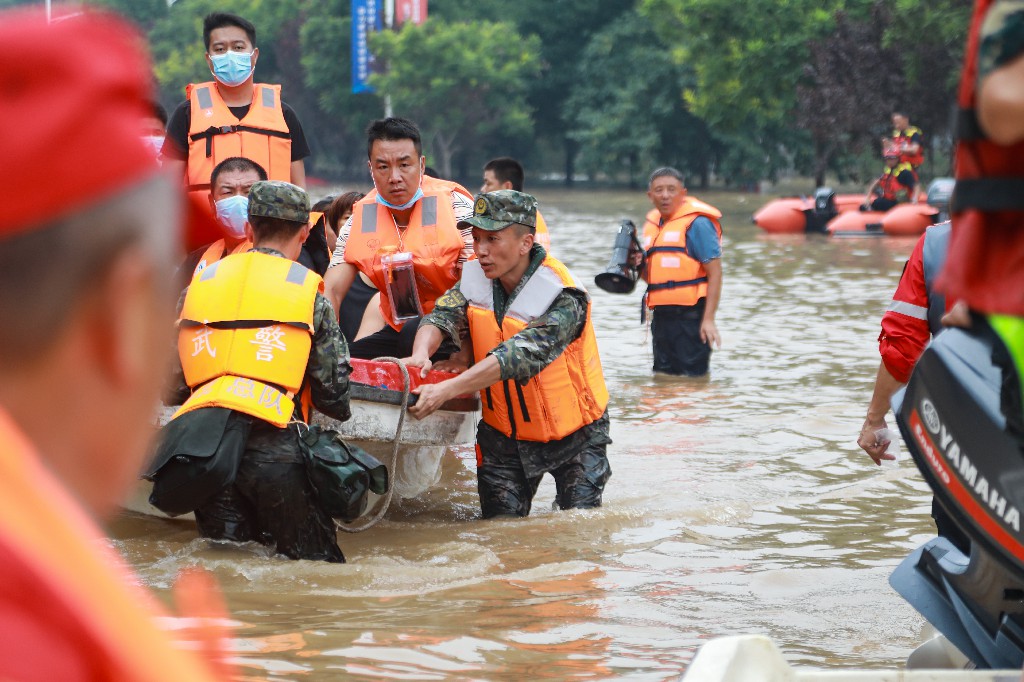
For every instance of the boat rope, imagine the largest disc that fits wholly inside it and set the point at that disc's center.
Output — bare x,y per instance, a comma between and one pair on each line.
384,502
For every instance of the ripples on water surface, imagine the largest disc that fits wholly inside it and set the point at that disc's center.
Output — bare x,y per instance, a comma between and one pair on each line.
738,504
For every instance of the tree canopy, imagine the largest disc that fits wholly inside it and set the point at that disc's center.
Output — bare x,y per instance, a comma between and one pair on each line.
735,92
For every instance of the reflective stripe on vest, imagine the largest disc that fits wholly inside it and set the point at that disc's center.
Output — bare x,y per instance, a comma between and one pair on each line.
245,333
933,257
216,134
50,538
217,250
566,395
432,237
673,277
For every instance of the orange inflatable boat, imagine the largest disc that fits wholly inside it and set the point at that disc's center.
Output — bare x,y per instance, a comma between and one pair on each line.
840,214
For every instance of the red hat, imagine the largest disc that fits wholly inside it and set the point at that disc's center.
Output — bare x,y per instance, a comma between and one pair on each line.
72,96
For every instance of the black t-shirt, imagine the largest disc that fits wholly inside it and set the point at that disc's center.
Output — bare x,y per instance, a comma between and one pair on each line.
176,143
907,179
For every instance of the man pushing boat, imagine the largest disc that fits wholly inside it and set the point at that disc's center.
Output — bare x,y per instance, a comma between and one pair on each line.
536,364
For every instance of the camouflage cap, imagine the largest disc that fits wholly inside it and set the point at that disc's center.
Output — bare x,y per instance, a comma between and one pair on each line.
495,211
276,199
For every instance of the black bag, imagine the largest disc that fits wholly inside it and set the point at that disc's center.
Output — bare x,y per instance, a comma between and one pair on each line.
341,474
196,457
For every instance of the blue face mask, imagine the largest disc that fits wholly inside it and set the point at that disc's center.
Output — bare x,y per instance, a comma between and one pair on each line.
233,213
232,68
396,207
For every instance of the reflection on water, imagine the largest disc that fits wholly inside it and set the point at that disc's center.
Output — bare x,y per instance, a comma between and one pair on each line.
739,503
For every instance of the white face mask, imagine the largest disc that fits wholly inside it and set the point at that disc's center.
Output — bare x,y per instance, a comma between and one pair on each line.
155,143
233,213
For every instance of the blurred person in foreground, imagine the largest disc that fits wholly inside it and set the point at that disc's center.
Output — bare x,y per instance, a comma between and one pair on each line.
985,270
85,287
526,319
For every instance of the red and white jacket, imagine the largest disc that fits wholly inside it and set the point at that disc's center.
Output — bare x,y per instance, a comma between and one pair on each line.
914,315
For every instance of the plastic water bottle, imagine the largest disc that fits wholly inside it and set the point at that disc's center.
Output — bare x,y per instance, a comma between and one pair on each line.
893,436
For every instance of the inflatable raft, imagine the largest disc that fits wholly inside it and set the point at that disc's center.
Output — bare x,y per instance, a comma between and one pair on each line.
840,214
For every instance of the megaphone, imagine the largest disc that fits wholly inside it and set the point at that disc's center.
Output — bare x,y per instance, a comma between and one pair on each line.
620,276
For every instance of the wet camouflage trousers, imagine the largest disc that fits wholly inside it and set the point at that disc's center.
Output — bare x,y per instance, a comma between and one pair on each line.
509,472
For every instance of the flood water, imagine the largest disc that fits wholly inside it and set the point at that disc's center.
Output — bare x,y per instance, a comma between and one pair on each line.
739,503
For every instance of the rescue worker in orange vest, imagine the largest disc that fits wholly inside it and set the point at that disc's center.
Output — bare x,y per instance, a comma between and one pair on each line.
231,115
85,285
897,184
908,139
682,239
229,201
505,172
527,320
404,237
257,344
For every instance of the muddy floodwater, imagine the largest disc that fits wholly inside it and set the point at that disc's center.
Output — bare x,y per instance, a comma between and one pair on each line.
739,503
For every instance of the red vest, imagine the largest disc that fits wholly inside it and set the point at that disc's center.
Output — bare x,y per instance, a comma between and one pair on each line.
986,255
890,186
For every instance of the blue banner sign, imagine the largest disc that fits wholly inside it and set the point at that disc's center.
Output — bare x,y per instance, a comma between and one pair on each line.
365,20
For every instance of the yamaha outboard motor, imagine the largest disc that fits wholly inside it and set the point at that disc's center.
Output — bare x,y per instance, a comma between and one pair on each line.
951,421
824,210
939,194
620,276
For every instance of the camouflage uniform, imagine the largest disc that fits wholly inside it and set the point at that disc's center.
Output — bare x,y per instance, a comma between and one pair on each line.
271,500
510,470
1002,36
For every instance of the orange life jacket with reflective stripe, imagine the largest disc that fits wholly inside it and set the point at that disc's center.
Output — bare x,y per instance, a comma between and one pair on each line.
52,540
889,183
217,250
901,137
431,237
216,134
673,276
244,335
566,395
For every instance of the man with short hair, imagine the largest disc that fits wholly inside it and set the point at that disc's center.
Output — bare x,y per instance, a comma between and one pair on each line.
897,184
87,235
231,115
682,238
411,218
505,172
266,356
527,320
229,201
907,139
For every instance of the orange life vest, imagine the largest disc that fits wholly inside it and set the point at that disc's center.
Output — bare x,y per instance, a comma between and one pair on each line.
217,250
245,333
890,186
52,540
566,395
216,134
901,138
432,237
673,277
543,236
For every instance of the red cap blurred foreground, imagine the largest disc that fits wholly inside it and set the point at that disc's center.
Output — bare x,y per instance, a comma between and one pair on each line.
72,98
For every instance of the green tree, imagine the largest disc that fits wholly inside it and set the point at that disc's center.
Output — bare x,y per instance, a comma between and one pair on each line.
626,107
461,82
746,59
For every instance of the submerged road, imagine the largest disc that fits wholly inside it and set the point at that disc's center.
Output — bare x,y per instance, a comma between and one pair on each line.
738,504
